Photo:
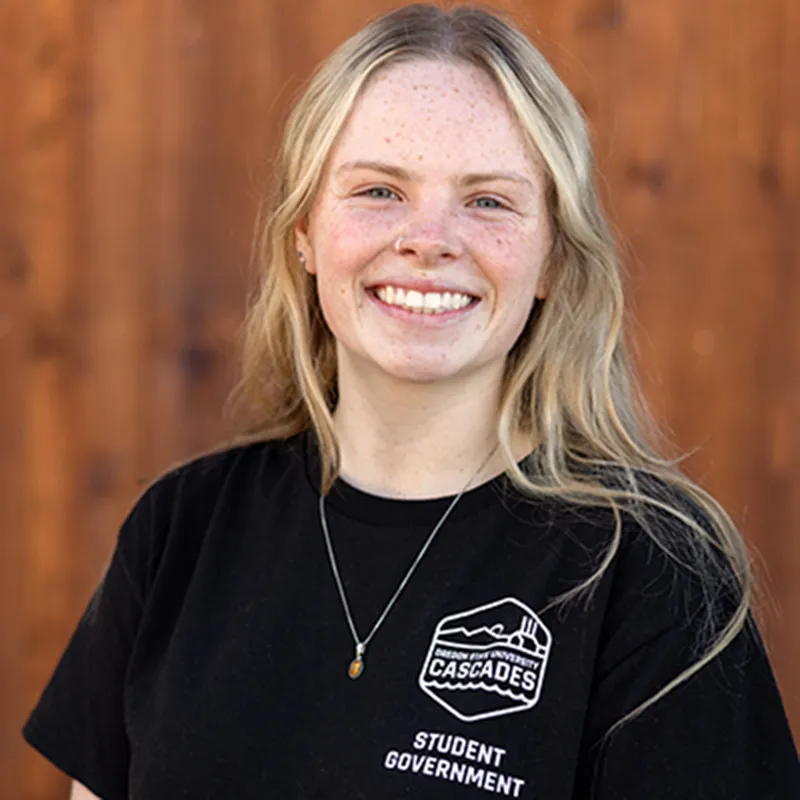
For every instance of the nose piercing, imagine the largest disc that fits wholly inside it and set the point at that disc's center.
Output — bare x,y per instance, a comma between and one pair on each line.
398,244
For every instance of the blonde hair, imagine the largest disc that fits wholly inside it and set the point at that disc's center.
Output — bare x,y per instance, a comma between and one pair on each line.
567,383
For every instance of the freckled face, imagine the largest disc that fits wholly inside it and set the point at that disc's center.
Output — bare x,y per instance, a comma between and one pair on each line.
430,188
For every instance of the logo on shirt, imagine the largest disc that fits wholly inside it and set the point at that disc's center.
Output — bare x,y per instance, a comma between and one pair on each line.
487,661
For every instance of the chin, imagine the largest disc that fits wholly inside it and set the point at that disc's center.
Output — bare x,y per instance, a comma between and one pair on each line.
419,377
420,372
408,365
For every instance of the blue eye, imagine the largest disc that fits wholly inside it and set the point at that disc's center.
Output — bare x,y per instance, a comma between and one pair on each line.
489,203
379,193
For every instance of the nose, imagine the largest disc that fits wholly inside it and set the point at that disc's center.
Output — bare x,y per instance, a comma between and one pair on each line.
429,240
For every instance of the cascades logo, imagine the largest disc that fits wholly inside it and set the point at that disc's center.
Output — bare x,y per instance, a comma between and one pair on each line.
487,661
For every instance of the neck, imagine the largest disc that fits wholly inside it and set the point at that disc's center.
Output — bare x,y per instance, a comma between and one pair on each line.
417,440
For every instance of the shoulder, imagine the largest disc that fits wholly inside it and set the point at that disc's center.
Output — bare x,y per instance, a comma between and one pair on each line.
175,512
658,555
663,526
669,579
206,478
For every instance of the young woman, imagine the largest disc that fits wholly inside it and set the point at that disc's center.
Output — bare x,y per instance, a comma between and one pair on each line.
442,560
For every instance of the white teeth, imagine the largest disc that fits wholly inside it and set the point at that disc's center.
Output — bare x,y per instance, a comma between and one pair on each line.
432,302
429,303
414,300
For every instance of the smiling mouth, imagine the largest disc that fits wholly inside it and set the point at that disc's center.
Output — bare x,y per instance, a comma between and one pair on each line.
423,303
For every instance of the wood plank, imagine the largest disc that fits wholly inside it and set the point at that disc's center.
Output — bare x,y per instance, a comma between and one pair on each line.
783,178
13,340
54,232
113,387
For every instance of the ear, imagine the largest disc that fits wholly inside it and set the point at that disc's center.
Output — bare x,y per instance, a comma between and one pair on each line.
545,272
303,245
543,284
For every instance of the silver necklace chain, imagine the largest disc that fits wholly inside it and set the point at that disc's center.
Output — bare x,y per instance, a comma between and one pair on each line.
357,664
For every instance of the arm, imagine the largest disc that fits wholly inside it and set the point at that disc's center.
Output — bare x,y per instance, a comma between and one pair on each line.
80,792
721,734
79,722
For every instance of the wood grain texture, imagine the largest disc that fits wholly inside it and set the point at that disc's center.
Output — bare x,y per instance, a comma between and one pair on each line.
53,231
13,270
136,136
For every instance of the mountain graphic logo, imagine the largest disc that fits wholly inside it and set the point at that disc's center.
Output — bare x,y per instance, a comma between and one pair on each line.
487,661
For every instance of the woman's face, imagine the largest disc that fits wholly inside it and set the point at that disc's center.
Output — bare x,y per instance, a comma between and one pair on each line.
430,229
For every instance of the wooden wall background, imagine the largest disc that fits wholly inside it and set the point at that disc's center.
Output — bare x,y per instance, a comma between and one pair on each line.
132,144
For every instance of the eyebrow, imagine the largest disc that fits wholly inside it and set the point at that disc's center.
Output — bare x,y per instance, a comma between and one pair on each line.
401,174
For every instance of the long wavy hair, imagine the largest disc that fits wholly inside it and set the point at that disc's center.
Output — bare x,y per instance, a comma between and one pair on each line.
567,383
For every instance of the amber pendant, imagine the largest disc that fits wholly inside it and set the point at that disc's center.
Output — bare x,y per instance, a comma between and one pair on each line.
357,664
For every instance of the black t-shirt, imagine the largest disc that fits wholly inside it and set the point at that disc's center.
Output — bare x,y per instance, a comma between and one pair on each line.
212,661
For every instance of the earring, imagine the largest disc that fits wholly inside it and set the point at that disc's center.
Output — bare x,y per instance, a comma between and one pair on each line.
301,257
